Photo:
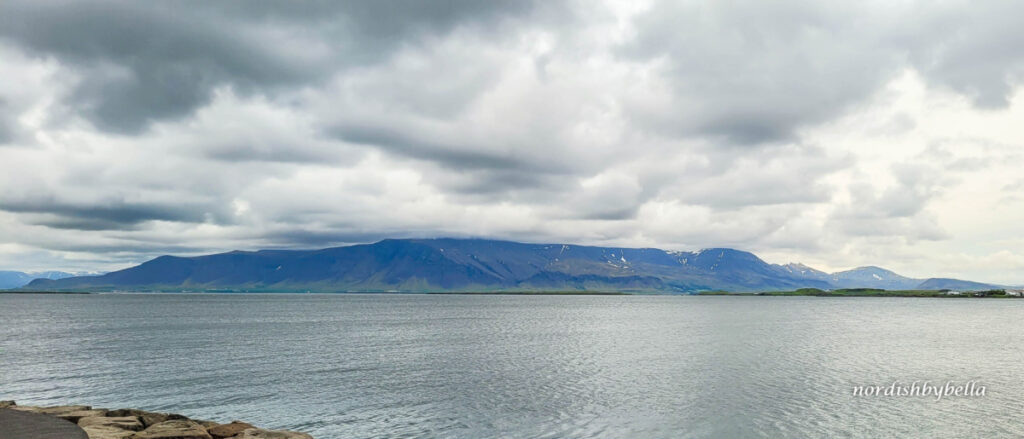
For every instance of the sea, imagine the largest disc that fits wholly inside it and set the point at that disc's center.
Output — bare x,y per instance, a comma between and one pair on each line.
529,366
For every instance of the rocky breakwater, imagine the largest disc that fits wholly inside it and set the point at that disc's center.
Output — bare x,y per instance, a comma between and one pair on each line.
139,424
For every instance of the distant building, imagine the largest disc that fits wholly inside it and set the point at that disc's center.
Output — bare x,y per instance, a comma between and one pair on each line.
953,293
1017,293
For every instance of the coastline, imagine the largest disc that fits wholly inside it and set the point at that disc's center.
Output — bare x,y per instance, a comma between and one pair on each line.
463,293
99,423
807,292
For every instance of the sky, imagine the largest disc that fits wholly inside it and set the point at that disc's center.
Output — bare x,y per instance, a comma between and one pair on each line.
836,134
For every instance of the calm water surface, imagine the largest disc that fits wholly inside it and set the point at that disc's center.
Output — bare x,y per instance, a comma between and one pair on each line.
341,366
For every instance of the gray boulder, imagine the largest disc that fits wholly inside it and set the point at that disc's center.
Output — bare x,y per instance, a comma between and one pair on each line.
131,423
174,429
75,416
107,432
52,411
147,418
228,430
259,433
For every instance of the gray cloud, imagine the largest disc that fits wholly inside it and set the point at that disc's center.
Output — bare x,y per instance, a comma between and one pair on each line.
973,48
237,152
898,210
146,62
455,156
750,72
136,129
109,215
5,129
5,122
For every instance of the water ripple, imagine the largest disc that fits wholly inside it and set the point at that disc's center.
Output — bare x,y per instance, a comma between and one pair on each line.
384,366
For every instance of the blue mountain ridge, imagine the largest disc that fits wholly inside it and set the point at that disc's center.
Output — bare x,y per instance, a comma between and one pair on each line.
454,265
15,279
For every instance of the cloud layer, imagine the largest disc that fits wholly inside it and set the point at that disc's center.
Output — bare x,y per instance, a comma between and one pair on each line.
837,135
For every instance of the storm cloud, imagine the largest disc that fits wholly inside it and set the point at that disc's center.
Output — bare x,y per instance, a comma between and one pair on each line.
832,134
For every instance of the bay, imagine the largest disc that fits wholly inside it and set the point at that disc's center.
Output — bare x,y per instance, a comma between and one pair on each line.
352,365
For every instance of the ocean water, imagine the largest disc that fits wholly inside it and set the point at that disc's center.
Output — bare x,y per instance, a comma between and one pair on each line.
364,366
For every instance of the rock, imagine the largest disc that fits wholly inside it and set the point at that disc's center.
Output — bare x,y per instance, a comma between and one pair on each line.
69,412
140,424
147,418
79,414
31,408
131,423
52,411
259,433
106,432
65,409
174,429
228,430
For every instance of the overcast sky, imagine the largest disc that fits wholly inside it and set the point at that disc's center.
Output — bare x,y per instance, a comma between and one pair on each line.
837,134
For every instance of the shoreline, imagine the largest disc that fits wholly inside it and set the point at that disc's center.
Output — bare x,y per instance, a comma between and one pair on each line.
395,293
99,423
805,292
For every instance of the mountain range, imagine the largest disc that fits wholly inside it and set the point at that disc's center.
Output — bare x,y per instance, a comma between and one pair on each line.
442,265
15,279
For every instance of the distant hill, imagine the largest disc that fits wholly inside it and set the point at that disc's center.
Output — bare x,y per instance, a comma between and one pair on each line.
953,284
16,279
873,277
425,265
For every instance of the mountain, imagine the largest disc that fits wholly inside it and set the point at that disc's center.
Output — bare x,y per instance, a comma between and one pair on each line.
937,283
804,272
52,275
418,265
873,277
15,279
